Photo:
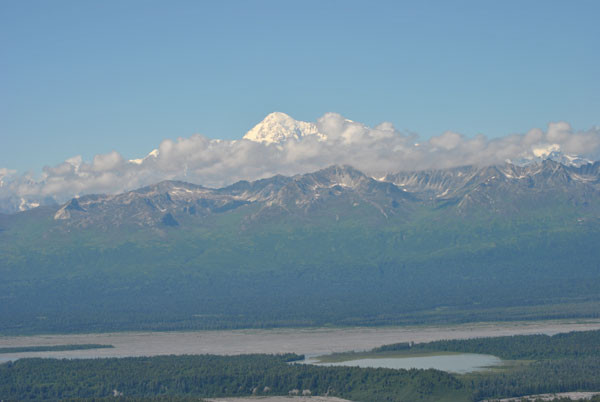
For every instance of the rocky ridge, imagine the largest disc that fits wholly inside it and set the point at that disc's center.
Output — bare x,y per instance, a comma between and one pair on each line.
340,190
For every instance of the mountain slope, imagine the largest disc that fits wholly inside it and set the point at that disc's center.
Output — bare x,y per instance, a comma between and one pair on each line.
330,247
300,195
506,189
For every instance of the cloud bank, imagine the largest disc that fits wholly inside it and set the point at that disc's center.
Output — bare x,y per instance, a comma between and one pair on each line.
281,145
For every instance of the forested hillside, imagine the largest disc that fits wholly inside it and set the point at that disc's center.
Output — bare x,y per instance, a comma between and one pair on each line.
330,248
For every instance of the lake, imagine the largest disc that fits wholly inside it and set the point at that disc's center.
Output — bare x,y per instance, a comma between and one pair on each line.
459,363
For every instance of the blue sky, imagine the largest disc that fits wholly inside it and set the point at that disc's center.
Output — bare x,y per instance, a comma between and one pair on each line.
83,78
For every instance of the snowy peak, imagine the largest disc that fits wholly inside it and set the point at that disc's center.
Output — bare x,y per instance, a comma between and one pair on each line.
152,155
552,153
278,127
567,160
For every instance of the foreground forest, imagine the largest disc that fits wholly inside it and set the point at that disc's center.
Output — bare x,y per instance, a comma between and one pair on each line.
534,364
211,376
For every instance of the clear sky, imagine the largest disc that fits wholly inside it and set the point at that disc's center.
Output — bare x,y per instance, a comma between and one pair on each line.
88,77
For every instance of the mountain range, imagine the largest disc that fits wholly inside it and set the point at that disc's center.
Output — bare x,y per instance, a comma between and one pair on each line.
332,247
282,144
506,189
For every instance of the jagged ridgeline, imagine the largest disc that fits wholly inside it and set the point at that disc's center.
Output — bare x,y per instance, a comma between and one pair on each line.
330,247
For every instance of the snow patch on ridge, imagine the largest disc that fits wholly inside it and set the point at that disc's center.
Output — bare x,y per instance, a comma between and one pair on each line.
25,205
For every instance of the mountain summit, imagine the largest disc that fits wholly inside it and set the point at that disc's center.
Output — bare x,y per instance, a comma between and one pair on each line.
284,145
278,127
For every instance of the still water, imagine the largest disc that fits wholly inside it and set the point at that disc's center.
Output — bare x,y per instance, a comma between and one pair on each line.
458,363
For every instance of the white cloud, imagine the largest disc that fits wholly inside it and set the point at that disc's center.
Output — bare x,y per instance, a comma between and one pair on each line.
447,141
545,150
4,172
375,150
107,162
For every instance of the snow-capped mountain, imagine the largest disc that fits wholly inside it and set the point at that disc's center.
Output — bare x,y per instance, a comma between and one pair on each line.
282,144
170,202
278,127
552,153
339,190
567,160
153,154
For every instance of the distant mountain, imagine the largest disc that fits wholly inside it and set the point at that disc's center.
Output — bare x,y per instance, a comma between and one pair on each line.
330,247
552,154
172,202
506,188
277,143
278,127
500,189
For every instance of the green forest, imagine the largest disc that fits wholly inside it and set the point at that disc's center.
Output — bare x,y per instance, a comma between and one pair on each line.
228,270
53,348
212,376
